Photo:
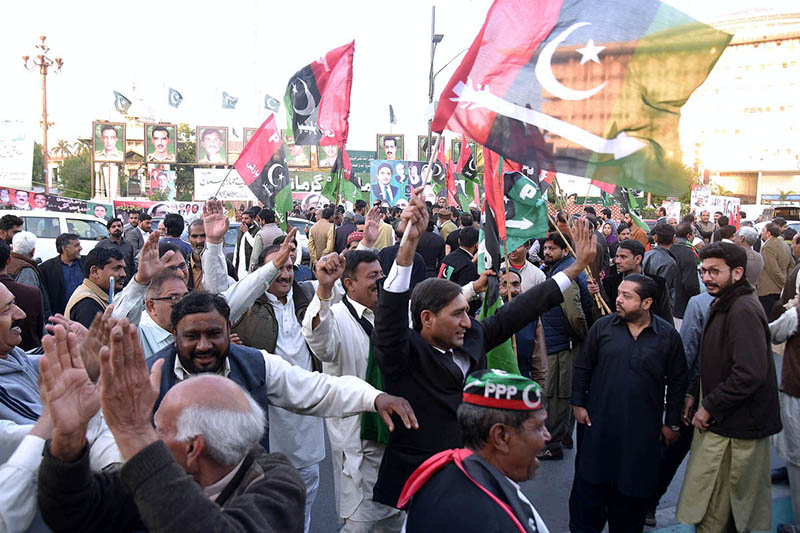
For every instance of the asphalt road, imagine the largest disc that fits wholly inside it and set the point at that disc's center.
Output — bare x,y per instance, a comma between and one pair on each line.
548,491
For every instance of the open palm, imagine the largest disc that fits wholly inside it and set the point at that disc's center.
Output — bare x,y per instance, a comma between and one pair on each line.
72,397
214,220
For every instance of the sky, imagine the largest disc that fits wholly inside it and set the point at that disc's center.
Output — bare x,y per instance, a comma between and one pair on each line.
247,48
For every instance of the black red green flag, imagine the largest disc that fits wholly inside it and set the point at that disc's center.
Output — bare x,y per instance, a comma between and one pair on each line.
262,166
317,99
590,88
502,356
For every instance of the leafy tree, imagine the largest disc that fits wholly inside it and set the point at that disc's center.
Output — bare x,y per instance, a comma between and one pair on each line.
37,172
74,175
184,176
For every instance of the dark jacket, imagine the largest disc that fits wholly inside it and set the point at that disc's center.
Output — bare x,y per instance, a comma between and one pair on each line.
661,262
687,284
431,248
463,269
431,381
557,329
247,370
737,372
53,279
29,300
128,252
342,232
152,492
386,257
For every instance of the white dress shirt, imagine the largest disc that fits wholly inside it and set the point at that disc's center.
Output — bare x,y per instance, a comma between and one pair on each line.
154,337
342,345
300,438
18,503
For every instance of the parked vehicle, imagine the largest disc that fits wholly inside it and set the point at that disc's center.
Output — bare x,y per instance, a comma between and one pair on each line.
47,225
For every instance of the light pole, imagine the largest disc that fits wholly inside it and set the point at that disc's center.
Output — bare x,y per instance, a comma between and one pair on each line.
436,38
44,63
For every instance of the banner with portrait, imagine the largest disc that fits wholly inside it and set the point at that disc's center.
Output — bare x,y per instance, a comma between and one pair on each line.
207,182
296,155
211,145
390,146
700,199
161,182
727,205
188,210
16,154
391,182
161,144
108,142
423,151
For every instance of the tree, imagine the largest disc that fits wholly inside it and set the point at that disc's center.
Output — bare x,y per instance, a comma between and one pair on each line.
37,172
184,175
62,148
75,176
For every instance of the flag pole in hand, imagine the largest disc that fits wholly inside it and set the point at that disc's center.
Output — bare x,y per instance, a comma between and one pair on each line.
425,176
216,194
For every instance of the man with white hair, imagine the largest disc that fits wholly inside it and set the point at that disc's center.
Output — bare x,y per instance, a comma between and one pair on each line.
23,268
206,426
746,237
343,232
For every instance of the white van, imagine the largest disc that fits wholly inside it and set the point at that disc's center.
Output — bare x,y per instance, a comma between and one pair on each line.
47,225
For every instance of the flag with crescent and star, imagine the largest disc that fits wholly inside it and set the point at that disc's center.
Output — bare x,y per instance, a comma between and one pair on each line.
262,166
121,103
174,98
317,99
342,180
590,88
468,170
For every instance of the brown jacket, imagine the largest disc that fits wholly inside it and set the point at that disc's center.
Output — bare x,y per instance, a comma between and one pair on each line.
321,238
737,372
777,265
18,262
639,234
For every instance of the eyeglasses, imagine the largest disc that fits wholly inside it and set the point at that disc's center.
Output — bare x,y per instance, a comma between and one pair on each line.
712,272
172,299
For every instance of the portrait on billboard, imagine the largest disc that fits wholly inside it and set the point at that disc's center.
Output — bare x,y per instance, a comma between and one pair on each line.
296,156
423,151
390,147
248,134
212,145
162,146
108,142
326,155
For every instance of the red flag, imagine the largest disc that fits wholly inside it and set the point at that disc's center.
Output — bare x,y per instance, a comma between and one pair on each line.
493,189
317,99
580,87
603,186
452,191
264,143
464,155
347,167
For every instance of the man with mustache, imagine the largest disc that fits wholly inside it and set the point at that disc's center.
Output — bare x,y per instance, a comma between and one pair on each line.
628,360
28,298
429,363
338,335
117,242
91,296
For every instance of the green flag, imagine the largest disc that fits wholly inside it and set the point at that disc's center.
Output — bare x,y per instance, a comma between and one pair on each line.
526,210
633,204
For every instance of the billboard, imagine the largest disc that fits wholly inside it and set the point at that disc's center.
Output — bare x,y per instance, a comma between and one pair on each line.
207,182
16,154
108,142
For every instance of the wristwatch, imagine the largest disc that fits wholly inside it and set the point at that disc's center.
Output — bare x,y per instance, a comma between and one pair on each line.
674,428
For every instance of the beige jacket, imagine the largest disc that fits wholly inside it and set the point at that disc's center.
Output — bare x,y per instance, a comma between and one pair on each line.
778,264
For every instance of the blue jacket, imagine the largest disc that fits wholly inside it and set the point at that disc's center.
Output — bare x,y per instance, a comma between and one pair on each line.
247,370
557,331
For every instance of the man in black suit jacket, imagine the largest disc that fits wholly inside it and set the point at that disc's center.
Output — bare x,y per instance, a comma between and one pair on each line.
383,190
458,266
687,283
68,245
431,248
429,363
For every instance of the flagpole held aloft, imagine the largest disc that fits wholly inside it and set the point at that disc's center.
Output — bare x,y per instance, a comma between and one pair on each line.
221,183
425,176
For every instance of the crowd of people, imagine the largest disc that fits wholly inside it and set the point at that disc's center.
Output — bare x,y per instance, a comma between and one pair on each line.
156,384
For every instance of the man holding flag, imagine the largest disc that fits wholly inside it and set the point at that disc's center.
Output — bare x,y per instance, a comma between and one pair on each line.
430,362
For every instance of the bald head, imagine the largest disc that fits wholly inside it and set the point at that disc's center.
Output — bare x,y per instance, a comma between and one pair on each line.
215,408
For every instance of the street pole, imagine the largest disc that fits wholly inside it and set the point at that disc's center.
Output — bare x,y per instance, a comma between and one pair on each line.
44,63
435,39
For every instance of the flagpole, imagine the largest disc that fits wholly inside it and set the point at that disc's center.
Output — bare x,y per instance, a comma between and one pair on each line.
223,182
339,177
510,296
425,176
601,303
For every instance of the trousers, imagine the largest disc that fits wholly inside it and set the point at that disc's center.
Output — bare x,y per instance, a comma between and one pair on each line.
591,506
310,475
558,393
